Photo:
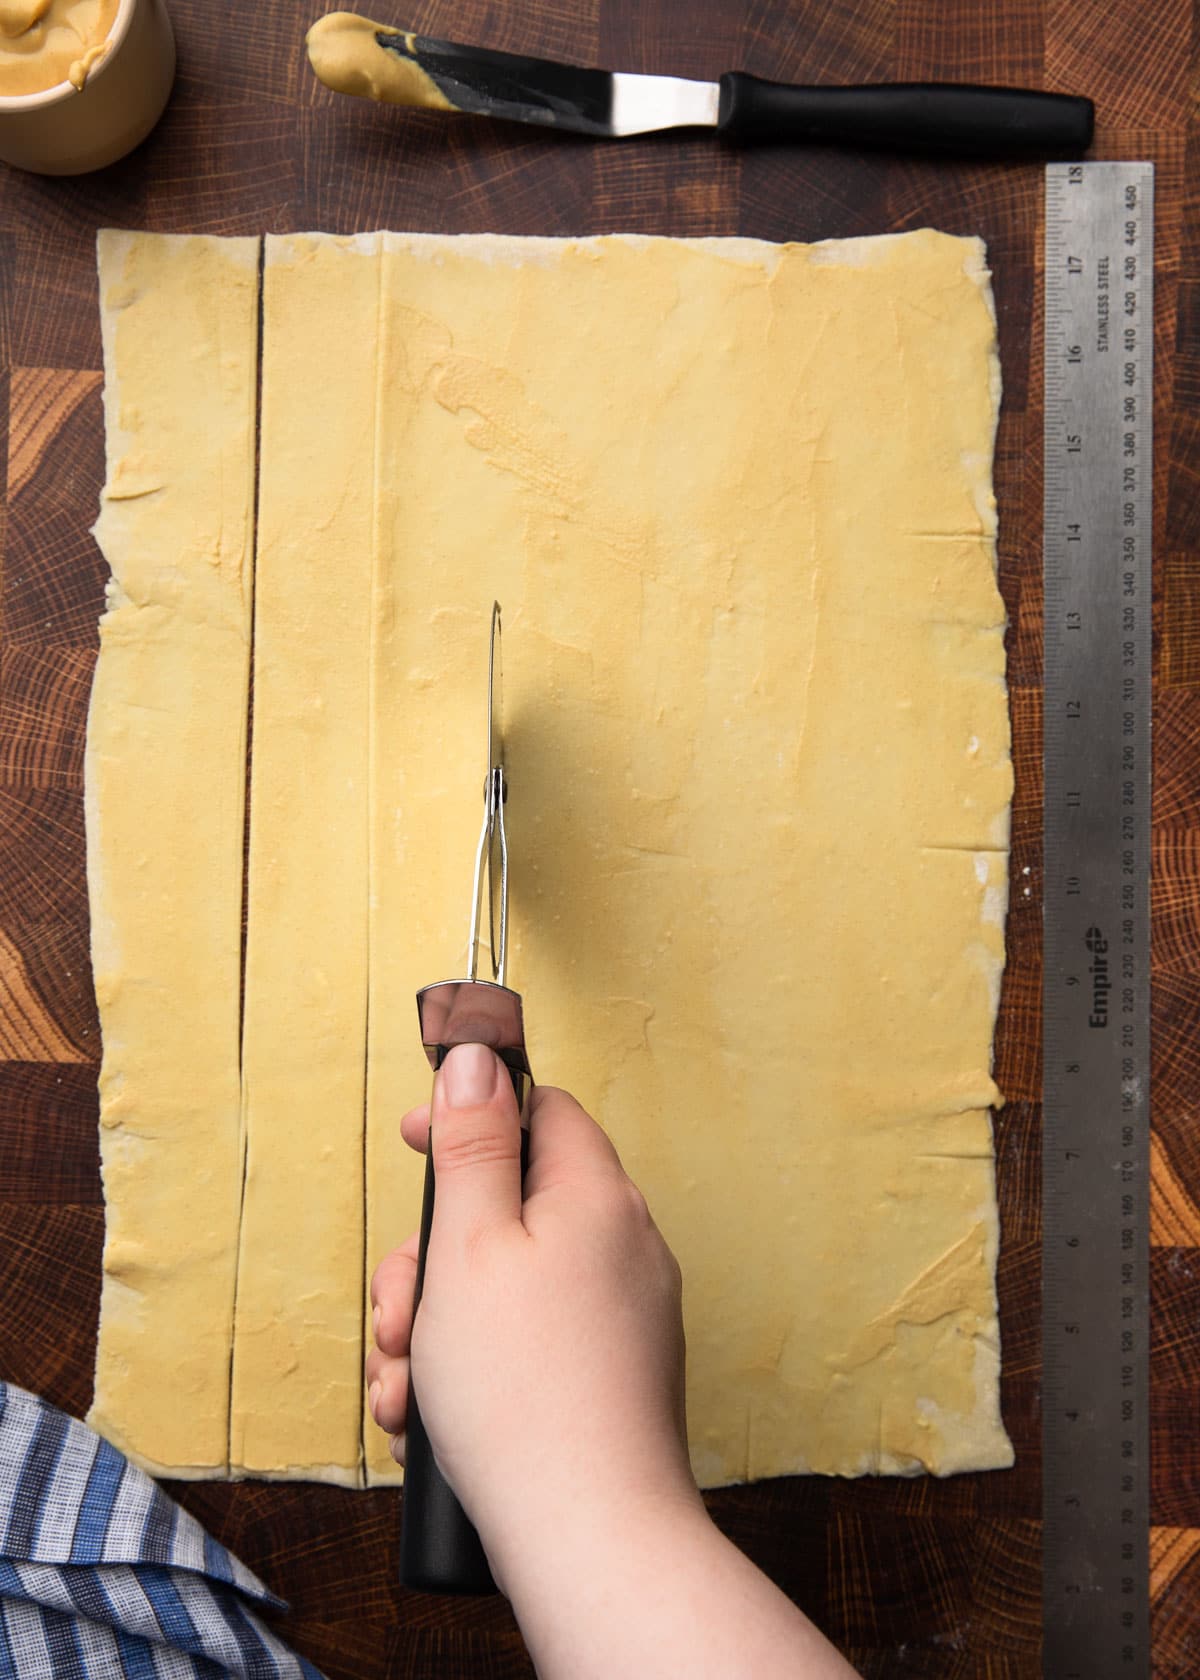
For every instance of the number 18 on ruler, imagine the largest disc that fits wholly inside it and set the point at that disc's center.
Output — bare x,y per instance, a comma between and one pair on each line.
1096,1001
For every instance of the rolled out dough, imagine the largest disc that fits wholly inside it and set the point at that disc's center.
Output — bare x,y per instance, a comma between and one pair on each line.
735,499
165,779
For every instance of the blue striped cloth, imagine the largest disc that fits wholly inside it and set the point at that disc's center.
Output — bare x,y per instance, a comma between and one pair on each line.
101,1575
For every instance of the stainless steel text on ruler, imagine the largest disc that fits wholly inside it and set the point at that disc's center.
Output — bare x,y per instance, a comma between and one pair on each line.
1096,996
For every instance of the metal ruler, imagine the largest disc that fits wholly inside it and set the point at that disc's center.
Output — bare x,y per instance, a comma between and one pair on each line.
1096,989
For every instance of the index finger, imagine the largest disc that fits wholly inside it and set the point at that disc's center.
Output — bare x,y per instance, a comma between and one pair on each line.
414,1128
565,1143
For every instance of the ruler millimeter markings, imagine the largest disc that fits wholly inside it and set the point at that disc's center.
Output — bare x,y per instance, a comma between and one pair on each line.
1099,252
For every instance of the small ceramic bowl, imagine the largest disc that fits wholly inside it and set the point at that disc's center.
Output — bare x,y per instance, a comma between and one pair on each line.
67,131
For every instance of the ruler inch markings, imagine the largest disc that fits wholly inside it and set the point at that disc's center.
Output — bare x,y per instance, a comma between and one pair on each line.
1099,334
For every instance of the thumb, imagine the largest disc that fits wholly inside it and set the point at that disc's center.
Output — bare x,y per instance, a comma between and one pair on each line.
475,1136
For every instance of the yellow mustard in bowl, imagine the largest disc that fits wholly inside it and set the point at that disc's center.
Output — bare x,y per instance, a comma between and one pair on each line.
47,42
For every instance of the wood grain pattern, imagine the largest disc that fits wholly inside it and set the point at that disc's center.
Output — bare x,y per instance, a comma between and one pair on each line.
917,1578
1174,1216
43,708
27,1029
51,1153
40,401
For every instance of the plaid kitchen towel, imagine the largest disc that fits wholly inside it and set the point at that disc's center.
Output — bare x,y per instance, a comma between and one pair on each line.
101,1575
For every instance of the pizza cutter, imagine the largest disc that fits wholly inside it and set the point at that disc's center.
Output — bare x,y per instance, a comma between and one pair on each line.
439,1548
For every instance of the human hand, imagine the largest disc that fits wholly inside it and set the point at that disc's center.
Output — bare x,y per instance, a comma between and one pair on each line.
547,1354
547,1357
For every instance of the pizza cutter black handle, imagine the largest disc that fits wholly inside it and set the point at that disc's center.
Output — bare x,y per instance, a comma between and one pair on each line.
440,1552
948,117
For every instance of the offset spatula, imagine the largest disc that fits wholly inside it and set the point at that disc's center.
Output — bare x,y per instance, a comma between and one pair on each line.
439,1548
345,51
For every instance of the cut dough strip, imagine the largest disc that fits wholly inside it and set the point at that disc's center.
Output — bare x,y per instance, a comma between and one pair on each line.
164,794
298,1336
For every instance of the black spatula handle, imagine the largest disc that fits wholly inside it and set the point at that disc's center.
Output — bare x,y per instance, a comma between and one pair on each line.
440,1551
947,117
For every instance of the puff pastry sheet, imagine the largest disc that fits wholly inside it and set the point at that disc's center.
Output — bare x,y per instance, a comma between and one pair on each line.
736,501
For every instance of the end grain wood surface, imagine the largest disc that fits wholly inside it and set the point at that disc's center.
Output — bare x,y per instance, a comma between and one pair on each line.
913,1578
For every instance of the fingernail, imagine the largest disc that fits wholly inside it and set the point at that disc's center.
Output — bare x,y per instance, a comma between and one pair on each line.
468,1075
396,1447
375,1317
373,1393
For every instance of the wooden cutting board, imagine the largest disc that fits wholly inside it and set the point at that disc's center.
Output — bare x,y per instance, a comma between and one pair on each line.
911,1577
